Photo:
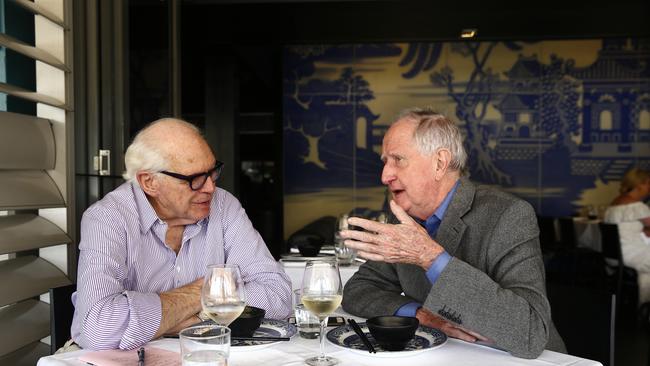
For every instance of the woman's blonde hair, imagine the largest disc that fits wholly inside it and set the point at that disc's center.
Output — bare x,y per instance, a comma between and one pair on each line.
633,178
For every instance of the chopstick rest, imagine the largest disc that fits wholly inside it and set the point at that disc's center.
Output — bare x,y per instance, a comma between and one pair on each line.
355,327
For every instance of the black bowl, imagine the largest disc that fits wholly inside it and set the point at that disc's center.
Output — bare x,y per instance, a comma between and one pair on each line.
246,324
392,333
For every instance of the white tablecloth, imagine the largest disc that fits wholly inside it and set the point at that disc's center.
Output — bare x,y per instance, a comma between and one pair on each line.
294,352
454,352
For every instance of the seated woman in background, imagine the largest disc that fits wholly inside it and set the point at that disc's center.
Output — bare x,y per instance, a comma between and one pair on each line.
633,218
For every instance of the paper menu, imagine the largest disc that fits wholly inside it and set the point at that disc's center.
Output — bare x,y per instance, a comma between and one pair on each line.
113,357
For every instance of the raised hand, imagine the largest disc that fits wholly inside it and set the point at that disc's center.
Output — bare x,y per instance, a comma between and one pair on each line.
406,242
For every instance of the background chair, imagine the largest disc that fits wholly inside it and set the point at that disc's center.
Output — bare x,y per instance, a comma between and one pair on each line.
622,279
547,234
585,317
567,233
61,311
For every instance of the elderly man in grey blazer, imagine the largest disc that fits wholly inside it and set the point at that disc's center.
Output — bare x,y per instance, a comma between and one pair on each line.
462,258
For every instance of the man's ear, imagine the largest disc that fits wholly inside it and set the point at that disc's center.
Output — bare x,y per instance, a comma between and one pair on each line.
443,158
147,182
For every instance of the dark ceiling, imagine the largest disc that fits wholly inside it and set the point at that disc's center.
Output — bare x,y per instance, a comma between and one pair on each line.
369,21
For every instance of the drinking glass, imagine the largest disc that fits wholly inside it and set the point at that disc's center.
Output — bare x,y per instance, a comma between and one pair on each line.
307,323
205,345
322,293
344,254
223,296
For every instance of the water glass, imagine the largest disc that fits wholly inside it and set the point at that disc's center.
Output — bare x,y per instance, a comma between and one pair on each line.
205,345
306,322
344,255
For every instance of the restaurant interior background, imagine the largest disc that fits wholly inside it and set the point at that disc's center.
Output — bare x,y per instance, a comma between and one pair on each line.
553,96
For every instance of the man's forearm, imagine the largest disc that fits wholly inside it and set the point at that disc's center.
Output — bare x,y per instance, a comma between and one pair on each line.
178,305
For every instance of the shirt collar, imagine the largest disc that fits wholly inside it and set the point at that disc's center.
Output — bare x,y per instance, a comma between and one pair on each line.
147,215
439,213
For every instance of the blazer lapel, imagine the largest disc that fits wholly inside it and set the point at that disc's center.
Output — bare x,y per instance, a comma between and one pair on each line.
452,226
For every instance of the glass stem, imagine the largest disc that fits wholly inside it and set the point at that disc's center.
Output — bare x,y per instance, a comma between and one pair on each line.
323,325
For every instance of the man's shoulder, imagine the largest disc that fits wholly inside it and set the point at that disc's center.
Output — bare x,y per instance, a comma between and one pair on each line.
493,199
120,201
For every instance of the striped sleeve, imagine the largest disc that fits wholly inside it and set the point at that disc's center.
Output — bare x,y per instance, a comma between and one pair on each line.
110,316
267,285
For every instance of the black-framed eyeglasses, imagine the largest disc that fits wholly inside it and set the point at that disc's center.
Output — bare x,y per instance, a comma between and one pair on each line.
197,181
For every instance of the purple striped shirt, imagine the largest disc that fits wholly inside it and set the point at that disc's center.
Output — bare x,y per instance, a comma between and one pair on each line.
124,263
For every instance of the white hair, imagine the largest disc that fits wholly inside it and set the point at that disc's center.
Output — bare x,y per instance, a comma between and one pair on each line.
435,131
146,154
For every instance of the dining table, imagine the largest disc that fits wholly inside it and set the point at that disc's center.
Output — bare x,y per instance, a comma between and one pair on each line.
297,349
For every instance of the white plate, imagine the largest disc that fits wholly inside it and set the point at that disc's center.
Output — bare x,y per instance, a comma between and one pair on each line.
425,339
268,328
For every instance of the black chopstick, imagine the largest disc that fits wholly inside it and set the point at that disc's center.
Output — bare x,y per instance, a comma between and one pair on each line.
357,329
260,339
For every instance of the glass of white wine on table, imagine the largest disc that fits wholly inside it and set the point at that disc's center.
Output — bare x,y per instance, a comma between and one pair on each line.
223,296
322,293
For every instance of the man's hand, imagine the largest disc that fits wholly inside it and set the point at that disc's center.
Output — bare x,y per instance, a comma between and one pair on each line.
428,319
179,306
406,242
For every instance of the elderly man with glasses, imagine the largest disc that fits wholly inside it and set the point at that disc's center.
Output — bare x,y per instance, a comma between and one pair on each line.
145,246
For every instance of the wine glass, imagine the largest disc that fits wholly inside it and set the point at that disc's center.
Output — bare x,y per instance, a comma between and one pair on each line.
223,296
322,293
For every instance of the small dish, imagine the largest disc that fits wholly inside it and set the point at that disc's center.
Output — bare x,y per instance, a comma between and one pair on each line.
425,339
249,320
268,328
392,332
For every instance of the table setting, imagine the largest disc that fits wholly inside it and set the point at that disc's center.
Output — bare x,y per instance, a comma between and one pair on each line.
319,334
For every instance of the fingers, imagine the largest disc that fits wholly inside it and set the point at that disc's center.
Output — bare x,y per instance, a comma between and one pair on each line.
359,236
369,225
427,318
362,246
399,212
459,333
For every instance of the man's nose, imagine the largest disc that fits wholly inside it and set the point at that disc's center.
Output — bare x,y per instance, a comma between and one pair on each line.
209,186
387,175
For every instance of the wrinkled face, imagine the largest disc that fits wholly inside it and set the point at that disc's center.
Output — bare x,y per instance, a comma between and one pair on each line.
176,201
408,174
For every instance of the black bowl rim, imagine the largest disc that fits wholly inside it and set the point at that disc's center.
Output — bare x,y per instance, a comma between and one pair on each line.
410,322
253,311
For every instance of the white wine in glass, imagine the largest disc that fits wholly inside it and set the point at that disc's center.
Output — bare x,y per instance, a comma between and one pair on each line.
223,296
322,293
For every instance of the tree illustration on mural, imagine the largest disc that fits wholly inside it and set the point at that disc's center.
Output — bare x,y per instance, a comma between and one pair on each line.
558,103
472,105
557,106
321,126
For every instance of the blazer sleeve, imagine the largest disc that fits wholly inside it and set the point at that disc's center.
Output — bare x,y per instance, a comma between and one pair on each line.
507,302
374,290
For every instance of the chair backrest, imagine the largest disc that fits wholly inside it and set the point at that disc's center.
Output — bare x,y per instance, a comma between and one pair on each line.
610,242
61,312
547,233
586,319
567,232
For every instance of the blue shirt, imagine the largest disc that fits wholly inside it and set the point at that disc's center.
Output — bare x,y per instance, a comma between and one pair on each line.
431,224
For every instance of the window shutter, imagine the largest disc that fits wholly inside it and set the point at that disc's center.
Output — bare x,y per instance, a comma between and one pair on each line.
36,177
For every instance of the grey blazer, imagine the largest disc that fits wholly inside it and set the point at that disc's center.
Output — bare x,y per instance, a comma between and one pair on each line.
494,283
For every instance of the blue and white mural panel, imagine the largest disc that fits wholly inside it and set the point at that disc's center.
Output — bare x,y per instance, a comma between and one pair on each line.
554,122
